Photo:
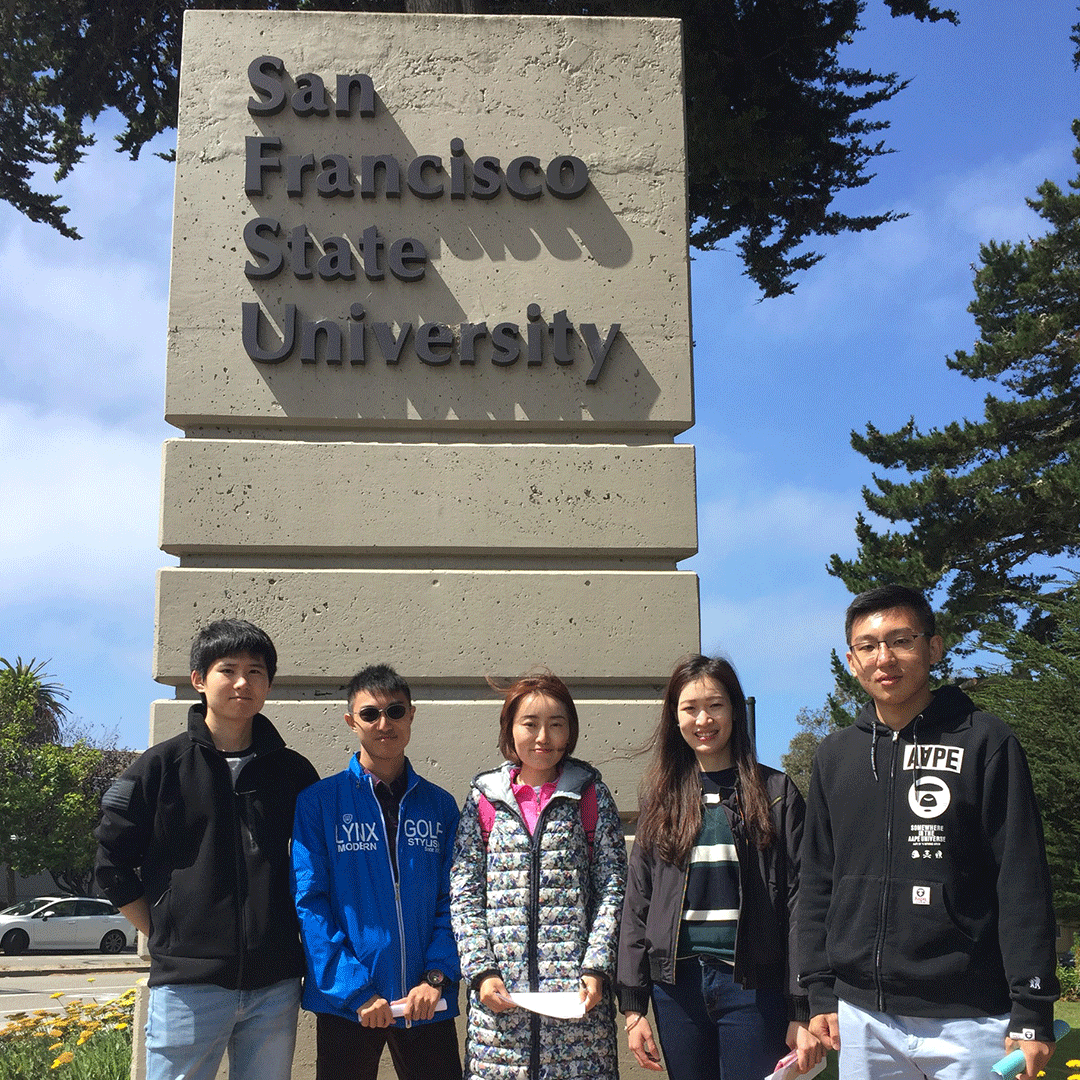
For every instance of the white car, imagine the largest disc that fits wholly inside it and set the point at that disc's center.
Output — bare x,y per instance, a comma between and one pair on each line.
64,922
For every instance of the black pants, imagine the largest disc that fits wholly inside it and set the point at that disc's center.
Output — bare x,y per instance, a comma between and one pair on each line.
348,1051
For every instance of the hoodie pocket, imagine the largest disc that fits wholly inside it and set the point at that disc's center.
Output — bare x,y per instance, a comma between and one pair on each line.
852,927
926,942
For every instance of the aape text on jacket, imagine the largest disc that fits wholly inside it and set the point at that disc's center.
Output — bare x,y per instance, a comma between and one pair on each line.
925,890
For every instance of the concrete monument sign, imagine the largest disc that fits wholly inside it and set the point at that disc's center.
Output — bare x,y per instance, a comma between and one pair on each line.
429,346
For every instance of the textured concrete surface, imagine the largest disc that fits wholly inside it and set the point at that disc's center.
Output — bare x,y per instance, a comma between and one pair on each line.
363,498
453,740
450,626
608,91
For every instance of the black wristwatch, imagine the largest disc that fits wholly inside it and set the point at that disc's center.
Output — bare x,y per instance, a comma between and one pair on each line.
434,978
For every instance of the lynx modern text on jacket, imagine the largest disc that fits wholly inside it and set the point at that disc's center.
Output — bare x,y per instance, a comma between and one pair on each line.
211,858
925,890
364,935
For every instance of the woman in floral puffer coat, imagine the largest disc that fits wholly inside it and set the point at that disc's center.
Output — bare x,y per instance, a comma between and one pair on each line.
535,899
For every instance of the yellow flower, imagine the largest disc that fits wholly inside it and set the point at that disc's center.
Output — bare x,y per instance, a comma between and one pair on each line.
121,1027
58,994
1074,1063
56,1046
83,1037
64,1059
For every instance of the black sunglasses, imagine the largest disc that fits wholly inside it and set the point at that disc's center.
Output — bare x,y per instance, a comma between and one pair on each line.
370,715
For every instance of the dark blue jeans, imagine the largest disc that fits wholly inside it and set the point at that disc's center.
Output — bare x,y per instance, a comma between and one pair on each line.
710,1028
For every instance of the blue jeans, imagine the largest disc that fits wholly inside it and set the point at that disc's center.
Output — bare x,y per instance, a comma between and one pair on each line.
189,1028
887,1047
710,1028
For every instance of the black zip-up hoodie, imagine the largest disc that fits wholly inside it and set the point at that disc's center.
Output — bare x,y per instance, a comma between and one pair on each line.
211,859
925,890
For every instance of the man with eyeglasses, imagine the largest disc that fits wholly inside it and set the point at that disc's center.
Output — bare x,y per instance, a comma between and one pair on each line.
371,871
926,932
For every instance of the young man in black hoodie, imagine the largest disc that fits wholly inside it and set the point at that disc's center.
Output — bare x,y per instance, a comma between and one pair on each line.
926,929
193,847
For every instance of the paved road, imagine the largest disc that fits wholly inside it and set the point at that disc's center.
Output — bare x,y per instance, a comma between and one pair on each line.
27,982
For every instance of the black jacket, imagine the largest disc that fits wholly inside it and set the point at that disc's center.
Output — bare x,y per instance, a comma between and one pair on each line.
925,890
213,862
769,886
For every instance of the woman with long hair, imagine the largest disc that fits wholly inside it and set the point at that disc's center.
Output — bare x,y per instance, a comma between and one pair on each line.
536,889
710,907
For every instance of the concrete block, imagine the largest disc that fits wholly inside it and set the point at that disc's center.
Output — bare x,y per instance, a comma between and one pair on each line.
454,740
606,92
441,626
377,498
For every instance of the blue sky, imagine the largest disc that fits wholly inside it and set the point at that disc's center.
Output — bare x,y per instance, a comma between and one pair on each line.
779,388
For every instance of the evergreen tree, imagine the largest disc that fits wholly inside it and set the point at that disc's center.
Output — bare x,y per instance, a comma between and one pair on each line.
776,124
992,502
1034,691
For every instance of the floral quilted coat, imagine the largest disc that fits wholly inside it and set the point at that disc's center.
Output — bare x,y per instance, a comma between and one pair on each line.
538,912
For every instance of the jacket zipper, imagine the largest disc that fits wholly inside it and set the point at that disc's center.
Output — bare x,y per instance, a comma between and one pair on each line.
397,884
241,906
879,944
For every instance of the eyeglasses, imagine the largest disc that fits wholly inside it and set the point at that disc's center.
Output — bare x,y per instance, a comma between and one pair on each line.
370,715
897,644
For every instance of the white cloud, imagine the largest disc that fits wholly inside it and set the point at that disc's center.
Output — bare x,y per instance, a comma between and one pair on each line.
814,523
82,509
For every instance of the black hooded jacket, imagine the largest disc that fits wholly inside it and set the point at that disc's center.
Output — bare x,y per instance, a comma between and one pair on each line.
211,859
925,890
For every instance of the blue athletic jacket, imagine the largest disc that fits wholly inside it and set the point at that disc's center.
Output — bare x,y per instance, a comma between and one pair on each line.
360,937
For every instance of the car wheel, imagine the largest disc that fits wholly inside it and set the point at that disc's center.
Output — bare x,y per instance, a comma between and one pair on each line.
113,942
15,941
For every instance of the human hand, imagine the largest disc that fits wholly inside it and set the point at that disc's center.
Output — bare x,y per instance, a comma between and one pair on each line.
1036,1055
808,1046
375,1013
826,1028
494,995
592,989
420,1002
639,1038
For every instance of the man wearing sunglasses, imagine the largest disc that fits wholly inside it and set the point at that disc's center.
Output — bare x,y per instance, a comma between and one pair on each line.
371,872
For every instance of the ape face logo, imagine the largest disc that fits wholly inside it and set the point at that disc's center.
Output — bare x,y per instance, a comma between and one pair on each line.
929,797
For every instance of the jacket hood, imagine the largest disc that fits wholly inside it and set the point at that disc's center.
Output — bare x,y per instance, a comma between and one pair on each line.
264,736
949,707
574,777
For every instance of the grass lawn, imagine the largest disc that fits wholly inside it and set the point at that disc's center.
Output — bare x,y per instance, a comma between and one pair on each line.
1067,1050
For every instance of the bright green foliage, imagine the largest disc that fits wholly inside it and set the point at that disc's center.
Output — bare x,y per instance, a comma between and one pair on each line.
49,794
777,126
797,762
990,502
25,682
1036,694
84,1042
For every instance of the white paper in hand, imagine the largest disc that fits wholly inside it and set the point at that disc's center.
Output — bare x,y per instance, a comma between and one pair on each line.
397,1008
563,1005
787,1068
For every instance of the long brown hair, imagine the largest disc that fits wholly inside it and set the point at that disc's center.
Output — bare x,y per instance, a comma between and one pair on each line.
670,794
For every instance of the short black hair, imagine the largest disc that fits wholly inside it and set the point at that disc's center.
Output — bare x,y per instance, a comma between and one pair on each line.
379,679
885,598
231,637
